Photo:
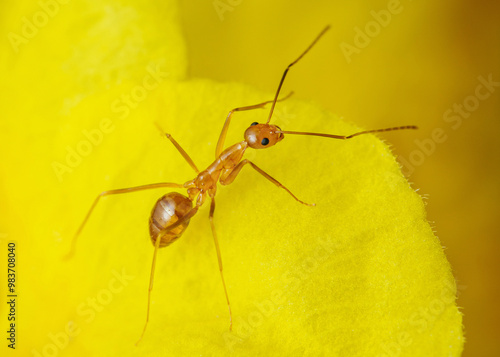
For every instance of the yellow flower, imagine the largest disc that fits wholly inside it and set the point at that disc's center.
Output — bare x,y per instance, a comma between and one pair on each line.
83,82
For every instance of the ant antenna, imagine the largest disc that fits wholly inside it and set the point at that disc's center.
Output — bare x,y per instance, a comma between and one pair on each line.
405,127
290,65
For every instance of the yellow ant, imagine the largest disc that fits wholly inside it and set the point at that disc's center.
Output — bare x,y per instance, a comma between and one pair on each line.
171,214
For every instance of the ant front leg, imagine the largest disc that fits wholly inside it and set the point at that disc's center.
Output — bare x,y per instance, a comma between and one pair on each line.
179,148
222,137
229,176
114,192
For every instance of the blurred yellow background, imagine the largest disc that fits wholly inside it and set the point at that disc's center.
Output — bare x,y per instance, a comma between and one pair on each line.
384,63
423,61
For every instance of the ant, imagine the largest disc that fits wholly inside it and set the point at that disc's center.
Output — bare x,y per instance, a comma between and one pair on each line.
171,214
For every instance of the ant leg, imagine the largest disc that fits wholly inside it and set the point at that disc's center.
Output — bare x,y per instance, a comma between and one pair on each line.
114,192
179,148
211,217
164,231
151,278
344,137
222,137
231,175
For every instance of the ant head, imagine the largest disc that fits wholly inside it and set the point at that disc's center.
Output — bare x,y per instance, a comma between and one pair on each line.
262,136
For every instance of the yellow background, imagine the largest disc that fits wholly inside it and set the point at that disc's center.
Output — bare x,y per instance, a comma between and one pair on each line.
424,61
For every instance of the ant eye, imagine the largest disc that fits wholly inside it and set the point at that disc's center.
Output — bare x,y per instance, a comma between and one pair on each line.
254,123
265,141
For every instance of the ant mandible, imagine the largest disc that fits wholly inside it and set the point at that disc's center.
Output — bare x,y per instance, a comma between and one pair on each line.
171,214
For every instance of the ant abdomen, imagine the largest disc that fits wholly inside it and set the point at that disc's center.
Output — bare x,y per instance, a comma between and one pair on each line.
168,210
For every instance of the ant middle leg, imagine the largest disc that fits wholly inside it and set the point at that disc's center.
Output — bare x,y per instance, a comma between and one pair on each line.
229,176
114,192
